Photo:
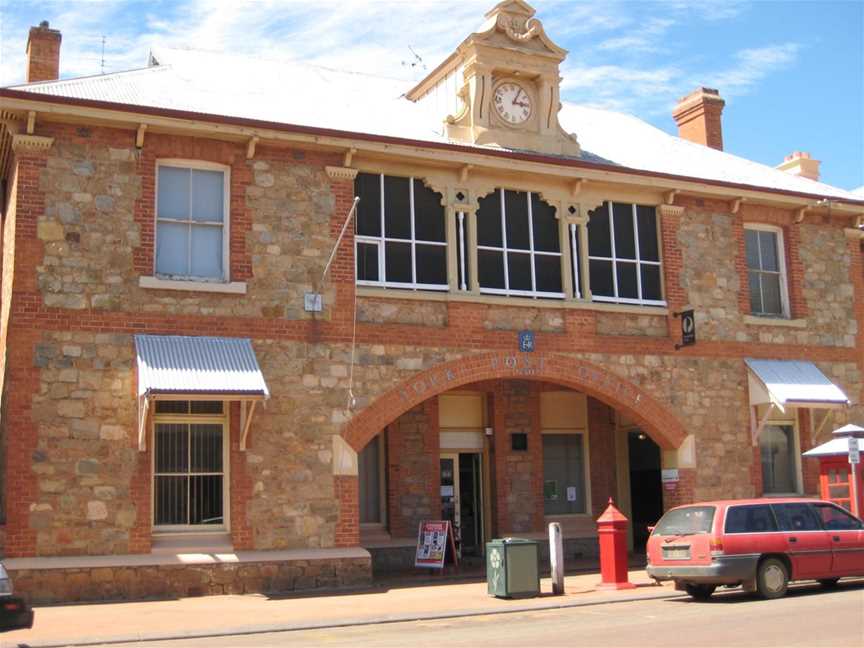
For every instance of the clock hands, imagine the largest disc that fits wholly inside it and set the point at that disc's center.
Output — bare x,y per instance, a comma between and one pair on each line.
519,103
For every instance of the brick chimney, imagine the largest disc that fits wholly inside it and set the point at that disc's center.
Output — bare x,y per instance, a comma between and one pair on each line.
698,117
43,53
800,163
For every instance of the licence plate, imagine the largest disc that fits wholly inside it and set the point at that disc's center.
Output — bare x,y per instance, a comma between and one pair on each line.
676,553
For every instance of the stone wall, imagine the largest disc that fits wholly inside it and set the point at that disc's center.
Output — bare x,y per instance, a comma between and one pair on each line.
630,324
383,311
128,583
97,226
819,284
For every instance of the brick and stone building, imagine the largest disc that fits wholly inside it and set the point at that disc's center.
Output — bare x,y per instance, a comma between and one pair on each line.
191,404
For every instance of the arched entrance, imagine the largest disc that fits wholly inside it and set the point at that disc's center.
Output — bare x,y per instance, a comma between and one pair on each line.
594,380
511,462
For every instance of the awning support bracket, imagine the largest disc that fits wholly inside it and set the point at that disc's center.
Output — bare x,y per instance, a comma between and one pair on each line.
143,407
246,422
756,426
816,431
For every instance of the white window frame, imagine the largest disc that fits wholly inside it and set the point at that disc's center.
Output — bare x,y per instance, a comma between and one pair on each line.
226,220
220,419
638,261
796,454
380,242
781,264
586,471
531,252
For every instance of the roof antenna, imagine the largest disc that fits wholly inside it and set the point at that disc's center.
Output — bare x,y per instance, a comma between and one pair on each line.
416,62
103,54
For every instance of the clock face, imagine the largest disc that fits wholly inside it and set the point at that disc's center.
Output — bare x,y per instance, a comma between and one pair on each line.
512,103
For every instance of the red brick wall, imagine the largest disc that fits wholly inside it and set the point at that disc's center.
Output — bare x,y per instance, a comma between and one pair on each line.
604,466
518,473
241,483
347,492
413,470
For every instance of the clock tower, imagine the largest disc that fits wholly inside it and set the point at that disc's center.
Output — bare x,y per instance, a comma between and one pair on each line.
508,85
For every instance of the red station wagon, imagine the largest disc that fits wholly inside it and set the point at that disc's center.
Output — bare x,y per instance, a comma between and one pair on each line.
760,544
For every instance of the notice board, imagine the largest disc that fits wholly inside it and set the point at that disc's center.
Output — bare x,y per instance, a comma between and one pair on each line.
433,539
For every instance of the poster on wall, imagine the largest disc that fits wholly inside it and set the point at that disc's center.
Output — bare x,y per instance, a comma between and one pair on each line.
433,538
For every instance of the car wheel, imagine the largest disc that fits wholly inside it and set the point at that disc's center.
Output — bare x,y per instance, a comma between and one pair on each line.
828,583
700,592
772,578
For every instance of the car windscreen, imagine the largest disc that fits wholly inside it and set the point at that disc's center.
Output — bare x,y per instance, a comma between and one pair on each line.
685,521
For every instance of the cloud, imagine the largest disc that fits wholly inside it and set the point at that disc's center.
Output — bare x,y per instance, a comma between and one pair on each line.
753,65
650,38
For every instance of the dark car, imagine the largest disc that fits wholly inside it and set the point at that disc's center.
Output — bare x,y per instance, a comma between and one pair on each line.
15,614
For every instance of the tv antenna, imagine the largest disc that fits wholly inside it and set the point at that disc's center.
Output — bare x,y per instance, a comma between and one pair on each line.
416,61
102,63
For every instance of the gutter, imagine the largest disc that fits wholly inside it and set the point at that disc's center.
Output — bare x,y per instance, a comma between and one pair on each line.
314,131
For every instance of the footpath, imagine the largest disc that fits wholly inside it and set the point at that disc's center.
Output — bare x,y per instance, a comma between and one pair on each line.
388,602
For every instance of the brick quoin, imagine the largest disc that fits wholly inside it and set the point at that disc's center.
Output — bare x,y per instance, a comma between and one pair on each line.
658,421
347,491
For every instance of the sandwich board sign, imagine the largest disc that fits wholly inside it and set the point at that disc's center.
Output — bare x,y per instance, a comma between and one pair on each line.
433,538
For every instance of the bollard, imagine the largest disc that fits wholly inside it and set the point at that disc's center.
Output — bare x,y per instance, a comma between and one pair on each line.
556,558
612,533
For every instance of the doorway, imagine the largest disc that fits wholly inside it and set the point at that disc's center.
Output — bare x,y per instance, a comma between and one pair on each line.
462,500
646,488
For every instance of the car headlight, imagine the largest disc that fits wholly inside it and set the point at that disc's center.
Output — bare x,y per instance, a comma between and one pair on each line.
5,586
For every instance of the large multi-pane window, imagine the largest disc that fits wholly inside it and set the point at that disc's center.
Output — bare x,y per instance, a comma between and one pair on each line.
191,221
518,245
624,255
765,271
401,239
189,464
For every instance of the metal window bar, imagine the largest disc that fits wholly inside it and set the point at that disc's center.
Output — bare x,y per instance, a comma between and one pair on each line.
180,498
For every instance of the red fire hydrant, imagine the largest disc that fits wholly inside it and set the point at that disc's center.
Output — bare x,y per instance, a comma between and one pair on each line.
612,532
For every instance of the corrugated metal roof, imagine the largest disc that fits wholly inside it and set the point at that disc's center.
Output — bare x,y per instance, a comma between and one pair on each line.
834,447
795,382
255,88
208,365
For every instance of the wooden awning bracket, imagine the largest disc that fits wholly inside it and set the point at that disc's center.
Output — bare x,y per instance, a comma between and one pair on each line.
757,426
816,431
143,408
246,422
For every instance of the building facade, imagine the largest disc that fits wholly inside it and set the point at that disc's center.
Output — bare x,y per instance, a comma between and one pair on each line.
207,390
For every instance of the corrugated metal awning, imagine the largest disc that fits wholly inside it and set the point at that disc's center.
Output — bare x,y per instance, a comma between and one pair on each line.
792,382
783,383
176,364
212,368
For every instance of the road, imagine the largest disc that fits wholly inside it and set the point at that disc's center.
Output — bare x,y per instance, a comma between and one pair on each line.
808,616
